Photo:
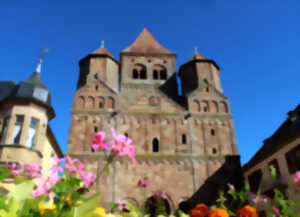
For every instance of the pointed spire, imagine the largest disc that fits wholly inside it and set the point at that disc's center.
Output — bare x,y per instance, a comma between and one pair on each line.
38,68
145,43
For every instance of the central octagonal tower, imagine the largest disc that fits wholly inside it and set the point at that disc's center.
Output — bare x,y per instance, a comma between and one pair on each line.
180,140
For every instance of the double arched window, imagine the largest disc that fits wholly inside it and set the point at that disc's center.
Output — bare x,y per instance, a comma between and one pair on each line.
139,71
159,72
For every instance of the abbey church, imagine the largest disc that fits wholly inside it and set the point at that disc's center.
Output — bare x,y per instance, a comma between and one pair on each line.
180,140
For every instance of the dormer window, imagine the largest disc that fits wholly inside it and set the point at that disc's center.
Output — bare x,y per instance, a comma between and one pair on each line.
17,129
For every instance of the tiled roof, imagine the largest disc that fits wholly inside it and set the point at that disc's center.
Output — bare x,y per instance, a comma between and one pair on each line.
145,43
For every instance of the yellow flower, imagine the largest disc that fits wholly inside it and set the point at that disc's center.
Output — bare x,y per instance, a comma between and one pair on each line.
42,208
100,211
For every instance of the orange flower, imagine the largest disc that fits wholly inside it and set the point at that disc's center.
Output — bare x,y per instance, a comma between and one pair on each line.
247,211
200,210
218,213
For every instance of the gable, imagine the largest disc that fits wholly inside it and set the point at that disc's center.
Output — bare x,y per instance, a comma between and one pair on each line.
154,101
96,87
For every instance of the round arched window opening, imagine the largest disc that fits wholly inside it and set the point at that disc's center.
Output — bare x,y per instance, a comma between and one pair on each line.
143,73
135,74
205,109
212,132
95,129
157,206
155,74
155,145
214,151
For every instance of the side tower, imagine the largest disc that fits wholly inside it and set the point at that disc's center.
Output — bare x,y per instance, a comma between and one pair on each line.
208,106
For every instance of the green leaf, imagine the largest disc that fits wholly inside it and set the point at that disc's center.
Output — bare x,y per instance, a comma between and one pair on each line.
247,186
87,206
19,179
4,173
113,206
273,171
22,191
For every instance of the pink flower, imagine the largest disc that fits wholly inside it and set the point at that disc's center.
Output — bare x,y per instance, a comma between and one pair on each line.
122,205
260,200
13,167
99,141
123,145
143,183
230,186
33,169
46,183
87,178
56,167
297,178
70,164
159,194
276,210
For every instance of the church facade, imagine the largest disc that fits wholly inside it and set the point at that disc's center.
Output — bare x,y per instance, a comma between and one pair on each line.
180,140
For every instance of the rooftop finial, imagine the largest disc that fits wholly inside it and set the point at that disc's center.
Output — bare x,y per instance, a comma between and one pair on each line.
102,43
38,68
196,50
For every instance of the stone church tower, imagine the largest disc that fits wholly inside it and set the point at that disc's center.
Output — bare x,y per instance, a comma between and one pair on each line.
180,140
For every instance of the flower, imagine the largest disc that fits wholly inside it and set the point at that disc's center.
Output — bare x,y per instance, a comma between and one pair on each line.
42,208
200,210
143,183
87,178
159,194
122,205
33,169
99,141
247,211
297,178
260,200
218,213
56,167
100,211
230,186
276,210
70,164
13,167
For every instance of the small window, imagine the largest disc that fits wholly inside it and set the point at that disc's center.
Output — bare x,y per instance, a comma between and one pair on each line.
254,180
30,142
155,145
135,74
212,132
4,130
214,151
18,129
183,139
155,75
96,87
126,134
95,129
205,109
293,159
96,76
92,150
207,89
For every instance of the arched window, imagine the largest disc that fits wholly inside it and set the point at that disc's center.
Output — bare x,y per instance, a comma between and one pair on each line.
223,107
212,132
155,74
135,74
155,145
196,105
126,134
101,102
204,106
214,106
159,72
80,102
214,151
90,102
207,89
110,102
163,75
143,73
139,71
95,129
183,139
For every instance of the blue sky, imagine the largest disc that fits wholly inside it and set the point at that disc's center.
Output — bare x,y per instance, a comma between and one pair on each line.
255,43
